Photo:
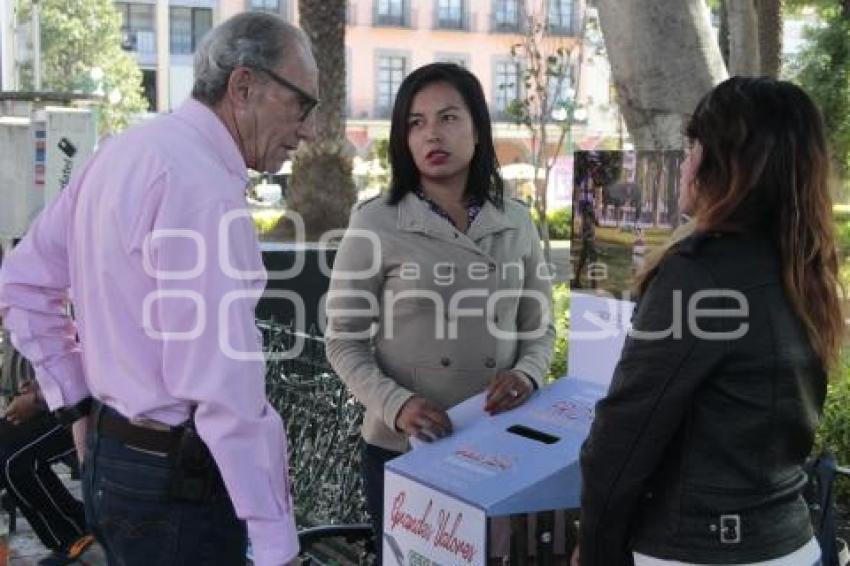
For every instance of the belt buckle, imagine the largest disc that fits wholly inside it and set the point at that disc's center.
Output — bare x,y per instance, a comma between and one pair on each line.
730,529
150,424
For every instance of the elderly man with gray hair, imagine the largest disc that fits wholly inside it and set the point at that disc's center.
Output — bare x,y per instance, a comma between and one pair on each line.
152,245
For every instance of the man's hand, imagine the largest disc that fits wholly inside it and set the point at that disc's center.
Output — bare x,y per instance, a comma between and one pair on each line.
509,390
22,408
423,419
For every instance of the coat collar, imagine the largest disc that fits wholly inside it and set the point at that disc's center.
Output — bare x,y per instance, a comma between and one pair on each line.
415,216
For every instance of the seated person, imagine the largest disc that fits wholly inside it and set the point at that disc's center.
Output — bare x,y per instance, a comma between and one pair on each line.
31,440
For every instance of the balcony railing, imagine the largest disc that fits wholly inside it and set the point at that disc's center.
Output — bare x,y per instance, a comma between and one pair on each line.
502,25
564,30
181,43
391,20
451,21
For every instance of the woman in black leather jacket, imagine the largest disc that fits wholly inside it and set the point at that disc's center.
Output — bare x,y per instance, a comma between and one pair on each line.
695,455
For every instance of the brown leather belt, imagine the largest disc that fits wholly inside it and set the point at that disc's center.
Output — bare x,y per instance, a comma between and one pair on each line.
113,425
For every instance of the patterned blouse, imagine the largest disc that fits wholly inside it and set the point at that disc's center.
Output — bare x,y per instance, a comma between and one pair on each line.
473,207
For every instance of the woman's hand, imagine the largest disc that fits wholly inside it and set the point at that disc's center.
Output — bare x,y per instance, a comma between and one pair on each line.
510,389
423,419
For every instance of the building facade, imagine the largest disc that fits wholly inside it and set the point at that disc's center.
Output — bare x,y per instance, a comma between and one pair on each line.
385,40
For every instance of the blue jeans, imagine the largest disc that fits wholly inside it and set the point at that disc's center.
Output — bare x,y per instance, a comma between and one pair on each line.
137,521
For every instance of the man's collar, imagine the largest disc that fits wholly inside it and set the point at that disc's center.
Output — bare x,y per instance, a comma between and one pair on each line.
203,119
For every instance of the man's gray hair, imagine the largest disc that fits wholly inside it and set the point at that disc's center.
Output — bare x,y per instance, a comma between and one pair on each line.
250,39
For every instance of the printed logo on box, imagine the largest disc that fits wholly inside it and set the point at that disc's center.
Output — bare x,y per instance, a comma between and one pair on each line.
429,528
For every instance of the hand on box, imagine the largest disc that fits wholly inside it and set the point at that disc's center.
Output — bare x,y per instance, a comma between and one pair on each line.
423,419
509,389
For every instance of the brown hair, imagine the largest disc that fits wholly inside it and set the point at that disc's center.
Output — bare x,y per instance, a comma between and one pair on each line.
765,166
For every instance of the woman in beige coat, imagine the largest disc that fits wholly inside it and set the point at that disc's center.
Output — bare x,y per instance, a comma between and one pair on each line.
440,290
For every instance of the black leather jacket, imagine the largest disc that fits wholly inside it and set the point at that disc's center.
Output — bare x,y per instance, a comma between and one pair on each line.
695,454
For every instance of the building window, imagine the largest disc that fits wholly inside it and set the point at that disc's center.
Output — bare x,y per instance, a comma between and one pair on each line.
508,82
450,14
561,93
391,71
507,15
137,27
560,18
188,26
265,5
390,13
460,59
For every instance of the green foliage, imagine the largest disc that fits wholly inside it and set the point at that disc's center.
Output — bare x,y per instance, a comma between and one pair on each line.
843,231
834,431
604,167
795,6
560,222
381,151
77,38
561,296
266,219
823,69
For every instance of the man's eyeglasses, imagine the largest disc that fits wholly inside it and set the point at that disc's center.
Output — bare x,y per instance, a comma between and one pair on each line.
306,101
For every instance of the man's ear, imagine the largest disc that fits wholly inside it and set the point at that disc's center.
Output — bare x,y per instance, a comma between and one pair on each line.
239,86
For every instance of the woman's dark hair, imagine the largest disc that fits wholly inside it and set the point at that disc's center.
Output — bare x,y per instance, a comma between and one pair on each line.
765,166
484,181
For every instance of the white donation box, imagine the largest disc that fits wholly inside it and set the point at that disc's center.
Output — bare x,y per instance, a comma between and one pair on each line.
441,499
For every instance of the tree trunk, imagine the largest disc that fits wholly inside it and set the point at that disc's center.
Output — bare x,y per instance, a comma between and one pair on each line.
664,58
744,57
322,187
770,36
723,36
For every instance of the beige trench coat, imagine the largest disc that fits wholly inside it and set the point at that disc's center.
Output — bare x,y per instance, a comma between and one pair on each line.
416,307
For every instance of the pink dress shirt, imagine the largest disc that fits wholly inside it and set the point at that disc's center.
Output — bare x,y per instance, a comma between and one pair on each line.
152,244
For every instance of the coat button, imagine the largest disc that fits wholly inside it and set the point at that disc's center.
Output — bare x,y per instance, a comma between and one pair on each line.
457,235
491,267
496,318
445,362
490,363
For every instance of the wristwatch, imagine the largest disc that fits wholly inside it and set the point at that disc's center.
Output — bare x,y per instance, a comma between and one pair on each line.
70,415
